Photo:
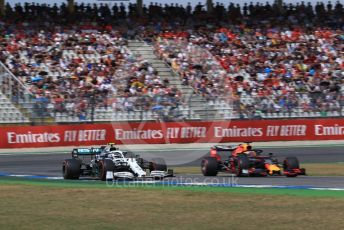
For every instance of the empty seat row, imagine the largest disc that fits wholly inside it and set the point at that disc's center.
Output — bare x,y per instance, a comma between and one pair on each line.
14,120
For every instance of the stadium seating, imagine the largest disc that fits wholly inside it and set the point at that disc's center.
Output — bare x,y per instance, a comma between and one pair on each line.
311,89
9,113
264,63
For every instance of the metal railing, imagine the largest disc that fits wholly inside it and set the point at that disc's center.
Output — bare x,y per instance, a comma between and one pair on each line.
17,93
12,87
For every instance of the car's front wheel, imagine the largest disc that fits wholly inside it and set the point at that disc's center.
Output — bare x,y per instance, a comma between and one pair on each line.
105,166
289,165
242,166
158,164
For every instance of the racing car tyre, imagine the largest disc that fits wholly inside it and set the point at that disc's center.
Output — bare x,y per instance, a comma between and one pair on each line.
158,164
291,163
71,169
243,163
209,166
104,166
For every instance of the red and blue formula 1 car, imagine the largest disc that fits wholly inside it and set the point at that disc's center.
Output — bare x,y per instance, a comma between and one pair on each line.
243,160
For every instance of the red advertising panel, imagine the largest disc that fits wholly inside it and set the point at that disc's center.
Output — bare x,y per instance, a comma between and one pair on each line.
171,132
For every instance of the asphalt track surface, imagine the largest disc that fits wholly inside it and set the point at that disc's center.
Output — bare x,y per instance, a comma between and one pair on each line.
50,165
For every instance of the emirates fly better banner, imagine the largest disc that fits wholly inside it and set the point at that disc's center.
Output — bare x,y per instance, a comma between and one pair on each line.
174,132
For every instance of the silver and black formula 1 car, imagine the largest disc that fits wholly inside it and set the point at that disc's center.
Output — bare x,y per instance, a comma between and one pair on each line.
99,162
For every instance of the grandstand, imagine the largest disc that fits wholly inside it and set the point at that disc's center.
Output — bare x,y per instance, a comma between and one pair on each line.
115,65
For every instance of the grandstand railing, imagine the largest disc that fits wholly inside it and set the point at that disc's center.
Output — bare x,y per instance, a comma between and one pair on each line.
186,97
33,108
12,87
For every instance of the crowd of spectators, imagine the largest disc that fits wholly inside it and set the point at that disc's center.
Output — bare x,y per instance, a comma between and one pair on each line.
75,70
267,70
261,58
174,14
195,65
274,65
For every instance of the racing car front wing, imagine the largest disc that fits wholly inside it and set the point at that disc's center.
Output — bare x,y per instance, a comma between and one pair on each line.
131,176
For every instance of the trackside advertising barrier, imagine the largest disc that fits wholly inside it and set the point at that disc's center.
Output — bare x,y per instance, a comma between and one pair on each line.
171,132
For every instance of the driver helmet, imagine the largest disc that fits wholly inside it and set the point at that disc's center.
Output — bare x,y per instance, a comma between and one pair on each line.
249,147
112,146
112,149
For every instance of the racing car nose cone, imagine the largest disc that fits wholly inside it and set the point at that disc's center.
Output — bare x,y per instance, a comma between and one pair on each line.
272,168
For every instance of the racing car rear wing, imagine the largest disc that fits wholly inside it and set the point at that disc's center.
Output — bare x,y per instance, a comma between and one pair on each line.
228,147
85,151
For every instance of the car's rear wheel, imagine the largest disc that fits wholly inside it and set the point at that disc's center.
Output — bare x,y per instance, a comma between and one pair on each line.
158,164
209,166
71,169
105,166
242,165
